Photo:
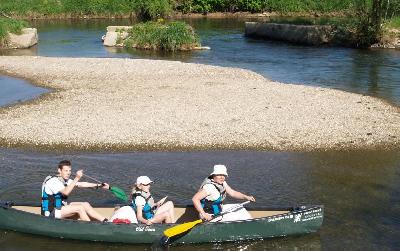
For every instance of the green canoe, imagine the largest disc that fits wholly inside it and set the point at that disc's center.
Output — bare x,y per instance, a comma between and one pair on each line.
266,223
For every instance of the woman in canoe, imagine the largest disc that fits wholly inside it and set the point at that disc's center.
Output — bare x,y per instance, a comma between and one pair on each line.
208,200
147,211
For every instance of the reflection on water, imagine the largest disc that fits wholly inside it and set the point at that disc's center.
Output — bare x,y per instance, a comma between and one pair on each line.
20,52
22,242
359,189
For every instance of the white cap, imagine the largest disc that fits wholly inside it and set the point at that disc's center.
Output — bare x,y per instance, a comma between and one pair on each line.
143,180
219,170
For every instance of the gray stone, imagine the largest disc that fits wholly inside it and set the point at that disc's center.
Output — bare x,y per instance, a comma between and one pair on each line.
26,39
115,33
301,34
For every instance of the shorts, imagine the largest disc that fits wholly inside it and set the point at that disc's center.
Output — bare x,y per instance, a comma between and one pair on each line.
56,213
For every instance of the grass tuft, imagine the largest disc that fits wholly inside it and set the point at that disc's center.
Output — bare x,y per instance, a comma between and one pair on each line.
157,36
10,25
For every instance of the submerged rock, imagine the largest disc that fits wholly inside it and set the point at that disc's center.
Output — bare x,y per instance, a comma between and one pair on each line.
300,34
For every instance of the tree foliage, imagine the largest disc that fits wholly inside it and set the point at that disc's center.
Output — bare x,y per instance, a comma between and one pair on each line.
369,17
151,9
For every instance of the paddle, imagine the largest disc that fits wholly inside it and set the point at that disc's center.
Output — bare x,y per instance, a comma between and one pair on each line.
184,227
118,192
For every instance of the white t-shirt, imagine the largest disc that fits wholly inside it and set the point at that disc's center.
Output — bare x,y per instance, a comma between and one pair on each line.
55,185
140,201
212,191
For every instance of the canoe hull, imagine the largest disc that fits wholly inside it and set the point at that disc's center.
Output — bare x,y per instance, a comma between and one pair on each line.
296,222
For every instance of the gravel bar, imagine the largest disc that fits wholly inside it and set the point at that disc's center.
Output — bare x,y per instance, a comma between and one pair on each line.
101,104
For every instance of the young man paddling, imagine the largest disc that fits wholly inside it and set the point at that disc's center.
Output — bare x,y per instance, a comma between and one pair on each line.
56,189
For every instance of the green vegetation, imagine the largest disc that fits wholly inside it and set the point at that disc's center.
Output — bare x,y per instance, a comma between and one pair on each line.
393,23
58,7
157,36
154,8
151,9
367,16
283,6
159,8
10,25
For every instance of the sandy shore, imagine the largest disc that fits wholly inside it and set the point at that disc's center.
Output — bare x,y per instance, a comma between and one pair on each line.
134,104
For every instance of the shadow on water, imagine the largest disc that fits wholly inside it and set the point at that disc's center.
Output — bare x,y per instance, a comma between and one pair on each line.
359,189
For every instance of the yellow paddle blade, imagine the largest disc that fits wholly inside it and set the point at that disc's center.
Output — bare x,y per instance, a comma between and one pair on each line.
182,228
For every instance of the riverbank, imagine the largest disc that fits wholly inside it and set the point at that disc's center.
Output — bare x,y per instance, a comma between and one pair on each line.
126,104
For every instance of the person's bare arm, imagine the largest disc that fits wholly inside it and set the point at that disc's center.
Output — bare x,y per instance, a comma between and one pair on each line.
238,195
201,194
92,185
68,189
140,218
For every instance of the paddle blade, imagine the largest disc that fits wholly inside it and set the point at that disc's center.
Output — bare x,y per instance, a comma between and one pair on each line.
119,193
182,228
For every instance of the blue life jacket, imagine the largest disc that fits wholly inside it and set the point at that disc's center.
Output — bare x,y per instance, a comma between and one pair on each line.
209,206
53,201
148,208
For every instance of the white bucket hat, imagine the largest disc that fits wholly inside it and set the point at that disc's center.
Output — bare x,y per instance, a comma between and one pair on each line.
143,180
219,170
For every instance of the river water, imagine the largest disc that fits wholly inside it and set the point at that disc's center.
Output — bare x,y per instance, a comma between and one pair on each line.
358,188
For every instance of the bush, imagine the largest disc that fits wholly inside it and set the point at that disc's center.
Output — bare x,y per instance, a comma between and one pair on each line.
156,36
151,9
10,25
394,23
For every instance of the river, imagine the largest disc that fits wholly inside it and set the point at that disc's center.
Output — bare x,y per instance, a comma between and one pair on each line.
358,188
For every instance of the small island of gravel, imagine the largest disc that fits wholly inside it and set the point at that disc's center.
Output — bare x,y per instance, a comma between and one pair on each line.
135,104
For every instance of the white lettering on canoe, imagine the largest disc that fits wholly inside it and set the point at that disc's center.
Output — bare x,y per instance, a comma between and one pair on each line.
145,229
297,217
280,217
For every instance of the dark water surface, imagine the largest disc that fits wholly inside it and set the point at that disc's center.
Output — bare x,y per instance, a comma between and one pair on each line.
360,189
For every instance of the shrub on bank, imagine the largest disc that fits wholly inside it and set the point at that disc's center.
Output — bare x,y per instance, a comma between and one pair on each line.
55,7
155,8
157,36
204,6
151,9
394,23
10,25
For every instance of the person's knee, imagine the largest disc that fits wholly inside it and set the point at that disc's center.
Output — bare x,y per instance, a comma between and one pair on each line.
86,205
81,209
169,204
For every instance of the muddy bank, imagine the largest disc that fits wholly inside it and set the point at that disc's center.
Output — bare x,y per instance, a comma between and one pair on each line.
135,104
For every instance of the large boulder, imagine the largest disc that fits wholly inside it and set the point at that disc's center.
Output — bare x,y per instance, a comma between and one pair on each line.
115,35
300,34
26,39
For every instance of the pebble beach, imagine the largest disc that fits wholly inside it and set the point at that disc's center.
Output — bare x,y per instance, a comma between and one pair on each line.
135,104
